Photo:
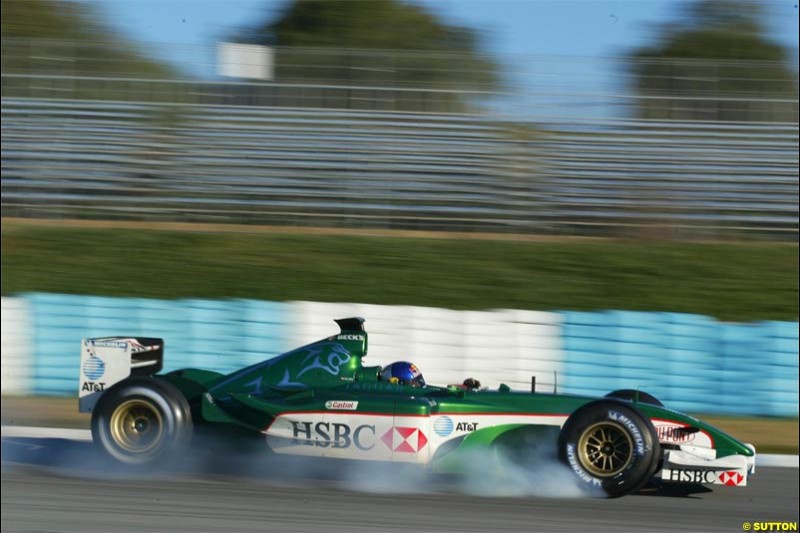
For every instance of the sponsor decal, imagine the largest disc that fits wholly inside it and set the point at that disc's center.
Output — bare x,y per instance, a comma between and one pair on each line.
93,386
333,434
341,405
572,459
404,439
677,434
443,426
346,337
635,433
94,367
110,344
361,386
732,479
708,477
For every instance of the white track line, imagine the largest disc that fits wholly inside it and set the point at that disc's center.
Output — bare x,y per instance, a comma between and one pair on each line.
785,461
27,432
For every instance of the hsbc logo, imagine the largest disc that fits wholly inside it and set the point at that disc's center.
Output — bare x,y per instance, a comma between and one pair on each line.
325,434
404,439
732,479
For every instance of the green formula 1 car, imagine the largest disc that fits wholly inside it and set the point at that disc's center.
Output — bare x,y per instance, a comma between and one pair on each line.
320,400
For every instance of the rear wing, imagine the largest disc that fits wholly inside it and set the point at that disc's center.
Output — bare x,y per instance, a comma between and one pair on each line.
109,360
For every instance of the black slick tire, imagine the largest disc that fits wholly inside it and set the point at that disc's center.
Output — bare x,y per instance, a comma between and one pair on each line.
142,421
631,395
610,446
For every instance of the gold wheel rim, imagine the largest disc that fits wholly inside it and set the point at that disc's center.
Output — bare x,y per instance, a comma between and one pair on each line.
136,426
605,449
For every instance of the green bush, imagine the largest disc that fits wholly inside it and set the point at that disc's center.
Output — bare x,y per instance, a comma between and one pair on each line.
747,281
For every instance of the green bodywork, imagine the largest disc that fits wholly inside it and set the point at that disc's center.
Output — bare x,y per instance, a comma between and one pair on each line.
331,369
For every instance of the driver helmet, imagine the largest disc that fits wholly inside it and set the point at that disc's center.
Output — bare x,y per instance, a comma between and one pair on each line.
403,373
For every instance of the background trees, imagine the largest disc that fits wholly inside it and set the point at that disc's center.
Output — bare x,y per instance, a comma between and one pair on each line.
54,37
375,43
716,63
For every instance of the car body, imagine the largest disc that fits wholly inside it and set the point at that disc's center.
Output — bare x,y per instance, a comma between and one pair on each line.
321,401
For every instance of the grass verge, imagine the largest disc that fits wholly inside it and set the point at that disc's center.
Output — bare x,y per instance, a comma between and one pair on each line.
743,281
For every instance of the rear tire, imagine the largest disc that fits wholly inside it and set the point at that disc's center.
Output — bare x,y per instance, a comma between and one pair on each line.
142,421
611,446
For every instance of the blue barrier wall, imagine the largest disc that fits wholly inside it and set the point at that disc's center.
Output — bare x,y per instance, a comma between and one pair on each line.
690,362
219,335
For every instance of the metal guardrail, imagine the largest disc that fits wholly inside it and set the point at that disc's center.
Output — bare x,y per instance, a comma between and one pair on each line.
377,138
309,166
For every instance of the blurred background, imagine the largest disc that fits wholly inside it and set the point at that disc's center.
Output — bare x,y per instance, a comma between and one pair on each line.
602,191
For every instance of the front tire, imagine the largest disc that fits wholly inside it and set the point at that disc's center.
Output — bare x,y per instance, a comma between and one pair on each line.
611,446
142,421
635,396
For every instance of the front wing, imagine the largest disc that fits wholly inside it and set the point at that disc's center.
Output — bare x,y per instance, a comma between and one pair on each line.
693,464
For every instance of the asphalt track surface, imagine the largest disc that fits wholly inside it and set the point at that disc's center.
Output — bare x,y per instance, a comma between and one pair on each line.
56,485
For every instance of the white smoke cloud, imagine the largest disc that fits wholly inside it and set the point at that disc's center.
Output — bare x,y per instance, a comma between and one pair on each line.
485,473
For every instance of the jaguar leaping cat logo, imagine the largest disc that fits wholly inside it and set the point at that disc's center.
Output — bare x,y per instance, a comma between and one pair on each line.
332,362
